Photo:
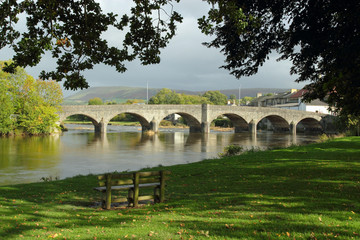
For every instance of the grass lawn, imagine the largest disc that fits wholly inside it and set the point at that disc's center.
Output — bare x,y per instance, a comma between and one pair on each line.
301,192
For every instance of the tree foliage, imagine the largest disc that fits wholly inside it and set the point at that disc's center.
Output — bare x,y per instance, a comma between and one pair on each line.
193,99
95,101
246,100
321,38
124,117
349,124
135,101
27,104
167,96
216,97
73,32
6,109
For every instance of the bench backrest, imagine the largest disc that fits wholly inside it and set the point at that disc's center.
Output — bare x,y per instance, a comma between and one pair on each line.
136,178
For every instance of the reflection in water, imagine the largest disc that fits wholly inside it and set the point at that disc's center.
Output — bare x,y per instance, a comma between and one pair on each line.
24,158
81,151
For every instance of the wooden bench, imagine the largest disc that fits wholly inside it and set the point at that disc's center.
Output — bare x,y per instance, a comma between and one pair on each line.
132,182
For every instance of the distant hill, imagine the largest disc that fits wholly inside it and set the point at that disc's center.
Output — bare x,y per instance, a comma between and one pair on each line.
121,94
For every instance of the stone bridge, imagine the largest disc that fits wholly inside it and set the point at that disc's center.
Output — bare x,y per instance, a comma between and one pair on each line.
199,117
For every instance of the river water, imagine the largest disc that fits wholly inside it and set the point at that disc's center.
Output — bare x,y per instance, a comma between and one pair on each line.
81,151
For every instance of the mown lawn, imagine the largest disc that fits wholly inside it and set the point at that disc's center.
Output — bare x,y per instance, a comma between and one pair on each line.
304,192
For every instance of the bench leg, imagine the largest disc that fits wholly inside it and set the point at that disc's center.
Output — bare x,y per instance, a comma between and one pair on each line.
156,195
162,186
108,200
131,197
102,199
136,188
162,193
108,191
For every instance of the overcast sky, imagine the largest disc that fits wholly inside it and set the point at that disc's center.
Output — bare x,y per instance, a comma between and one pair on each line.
185,64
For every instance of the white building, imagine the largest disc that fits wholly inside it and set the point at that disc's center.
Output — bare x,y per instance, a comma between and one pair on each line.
293,100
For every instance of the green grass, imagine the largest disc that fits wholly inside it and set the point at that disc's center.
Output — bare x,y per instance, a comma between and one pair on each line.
301,192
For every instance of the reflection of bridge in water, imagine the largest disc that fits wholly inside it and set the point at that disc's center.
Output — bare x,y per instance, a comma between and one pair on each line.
179,142
199,117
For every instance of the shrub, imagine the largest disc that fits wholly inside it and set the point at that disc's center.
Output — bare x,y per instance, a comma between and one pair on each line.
166,123
231,150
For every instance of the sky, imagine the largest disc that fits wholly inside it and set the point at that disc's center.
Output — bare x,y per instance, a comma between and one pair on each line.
185,63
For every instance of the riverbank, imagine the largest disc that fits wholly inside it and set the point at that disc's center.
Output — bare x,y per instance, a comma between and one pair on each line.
301,192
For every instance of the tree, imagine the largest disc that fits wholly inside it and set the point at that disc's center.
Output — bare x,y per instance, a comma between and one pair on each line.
350,124
124,117
233,99
27,104
73,32
321,38
6,109
215,97
38,105
193,99
135,101
166,96
246,100
95,101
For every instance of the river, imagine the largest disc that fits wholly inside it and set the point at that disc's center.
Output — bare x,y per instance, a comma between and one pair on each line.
80,151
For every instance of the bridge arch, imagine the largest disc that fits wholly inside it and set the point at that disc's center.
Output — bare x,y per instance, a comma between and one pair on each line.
193,123
93,119
309,124
273,122
63,117
145,124
239,123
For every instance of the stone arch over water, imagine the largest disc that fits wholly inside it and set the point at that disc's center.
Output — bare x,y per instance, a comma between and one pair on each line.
90,117
145,124
193,123
239,123
275,123
309,125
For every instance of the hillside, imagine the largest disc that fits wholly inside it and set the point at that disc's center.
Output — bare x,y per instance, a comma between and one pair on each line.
121,94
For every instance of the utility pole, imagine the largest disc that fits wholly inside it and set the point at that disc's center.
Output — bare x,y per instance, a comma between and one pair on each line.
147,92
239,94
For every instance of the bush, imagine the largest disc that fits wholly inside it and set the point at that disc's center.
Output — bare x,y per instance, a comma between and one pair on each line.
166,123
222,122
124,117
231,150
